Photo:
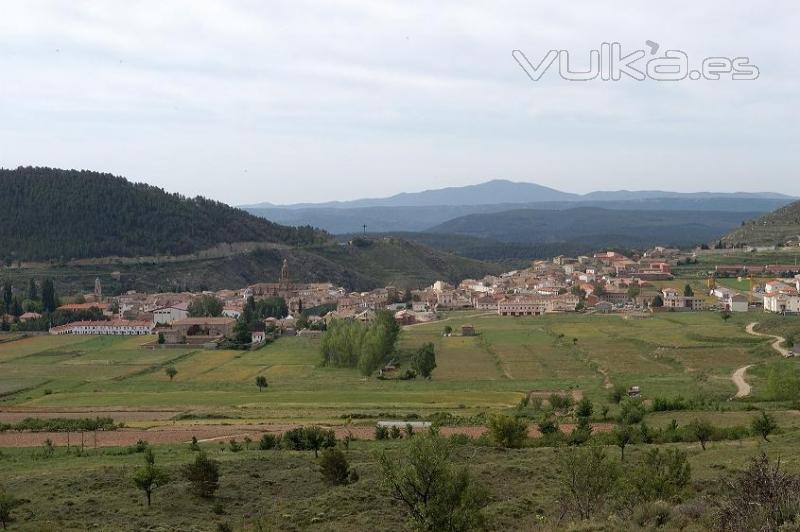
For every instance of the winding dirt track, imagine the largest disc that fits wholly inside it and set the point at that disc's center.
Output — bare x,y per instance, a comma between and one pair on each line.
743,389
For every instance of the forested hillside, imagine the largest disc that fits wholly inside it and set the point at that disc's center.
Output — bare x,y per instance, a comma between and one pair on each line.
65,214
774,229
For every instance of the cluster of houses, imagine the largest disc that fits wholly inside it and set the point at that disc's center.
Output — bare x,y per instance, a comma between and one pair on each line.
604,282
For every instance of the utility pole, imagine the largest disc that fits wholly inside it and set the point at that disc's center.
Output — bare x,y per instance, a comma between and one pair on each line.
365,229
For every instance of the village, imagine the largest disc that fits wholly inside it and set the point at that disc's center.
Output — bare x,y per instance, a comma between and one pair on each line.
607,282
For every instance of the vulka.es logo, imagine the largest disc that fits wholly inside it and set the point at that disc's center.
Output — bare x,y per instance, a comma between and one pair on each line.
609,64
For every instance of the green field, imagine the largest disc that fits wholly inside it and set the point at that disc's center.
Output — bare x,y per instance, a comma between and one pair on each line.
669,354
691,354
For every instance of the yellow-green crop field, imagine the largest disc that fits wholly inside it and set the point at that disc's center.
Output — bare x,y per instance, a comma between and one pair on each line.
689,354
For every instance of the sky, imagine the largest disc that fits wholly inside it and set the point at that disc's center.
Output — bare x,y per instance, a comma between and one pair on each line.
284,102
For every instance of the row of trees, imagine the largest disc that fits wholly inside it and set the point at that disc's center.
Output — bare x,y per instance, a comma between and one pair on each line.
352,344
29,299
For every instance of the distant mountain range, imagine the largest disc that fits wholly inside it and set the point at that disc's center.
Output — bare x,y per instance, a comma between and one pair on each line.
500,191
428,210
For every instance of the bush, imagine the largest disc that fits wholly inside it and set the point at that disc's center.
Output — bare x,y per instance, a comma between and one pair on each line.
548,425
436,495
507,431
763,425
381,432
631,411
269,442
234,446
662,474
334,467
203,476
395,433
560,402
7,504
309,439
584,408
651,515
662,404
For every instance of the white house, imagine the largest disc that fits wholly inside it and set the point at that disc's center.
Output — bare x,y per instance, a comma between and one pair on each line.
167,315
782,300
734,302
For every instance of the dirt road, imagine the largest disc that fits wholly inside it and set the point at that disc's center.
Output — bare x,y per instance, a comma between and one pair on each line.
742,388
776,343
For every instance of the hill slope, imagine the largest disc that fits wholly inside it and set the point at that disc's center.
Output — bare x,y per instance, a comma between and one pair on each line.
82,222
64,214
599,227
776,228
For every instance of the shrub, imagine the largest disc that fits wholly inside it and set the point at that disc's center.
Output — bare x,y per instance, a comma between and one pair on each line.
334,467
587,478
395,433
651,515
560,402
764,497
618,393
194,446
584,408
701,430
507,431
203,476
548,425
269,442
631,411
436,495
662,474
7,504
662,404
234,445
381,432
763,425
308,439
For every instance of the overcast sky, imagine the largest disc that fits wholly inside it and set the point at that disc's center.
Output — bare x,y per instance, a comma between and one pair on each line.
313,101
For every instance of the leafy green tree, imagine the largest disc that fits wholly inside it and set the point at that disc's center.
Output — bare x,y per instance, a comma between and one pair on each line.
7,296
261,382
448,330
507,431
205,306
203,475
16,307
764,425
701,430
687,291
622,436
33,294
425,360
161,338
49,298
334,466
150,476
241,332
171,372
657,301
436,495
587,477
316,439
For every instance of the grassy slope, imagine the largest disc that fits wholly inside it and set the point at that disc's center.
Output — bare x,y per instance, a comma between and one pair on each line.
284,491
